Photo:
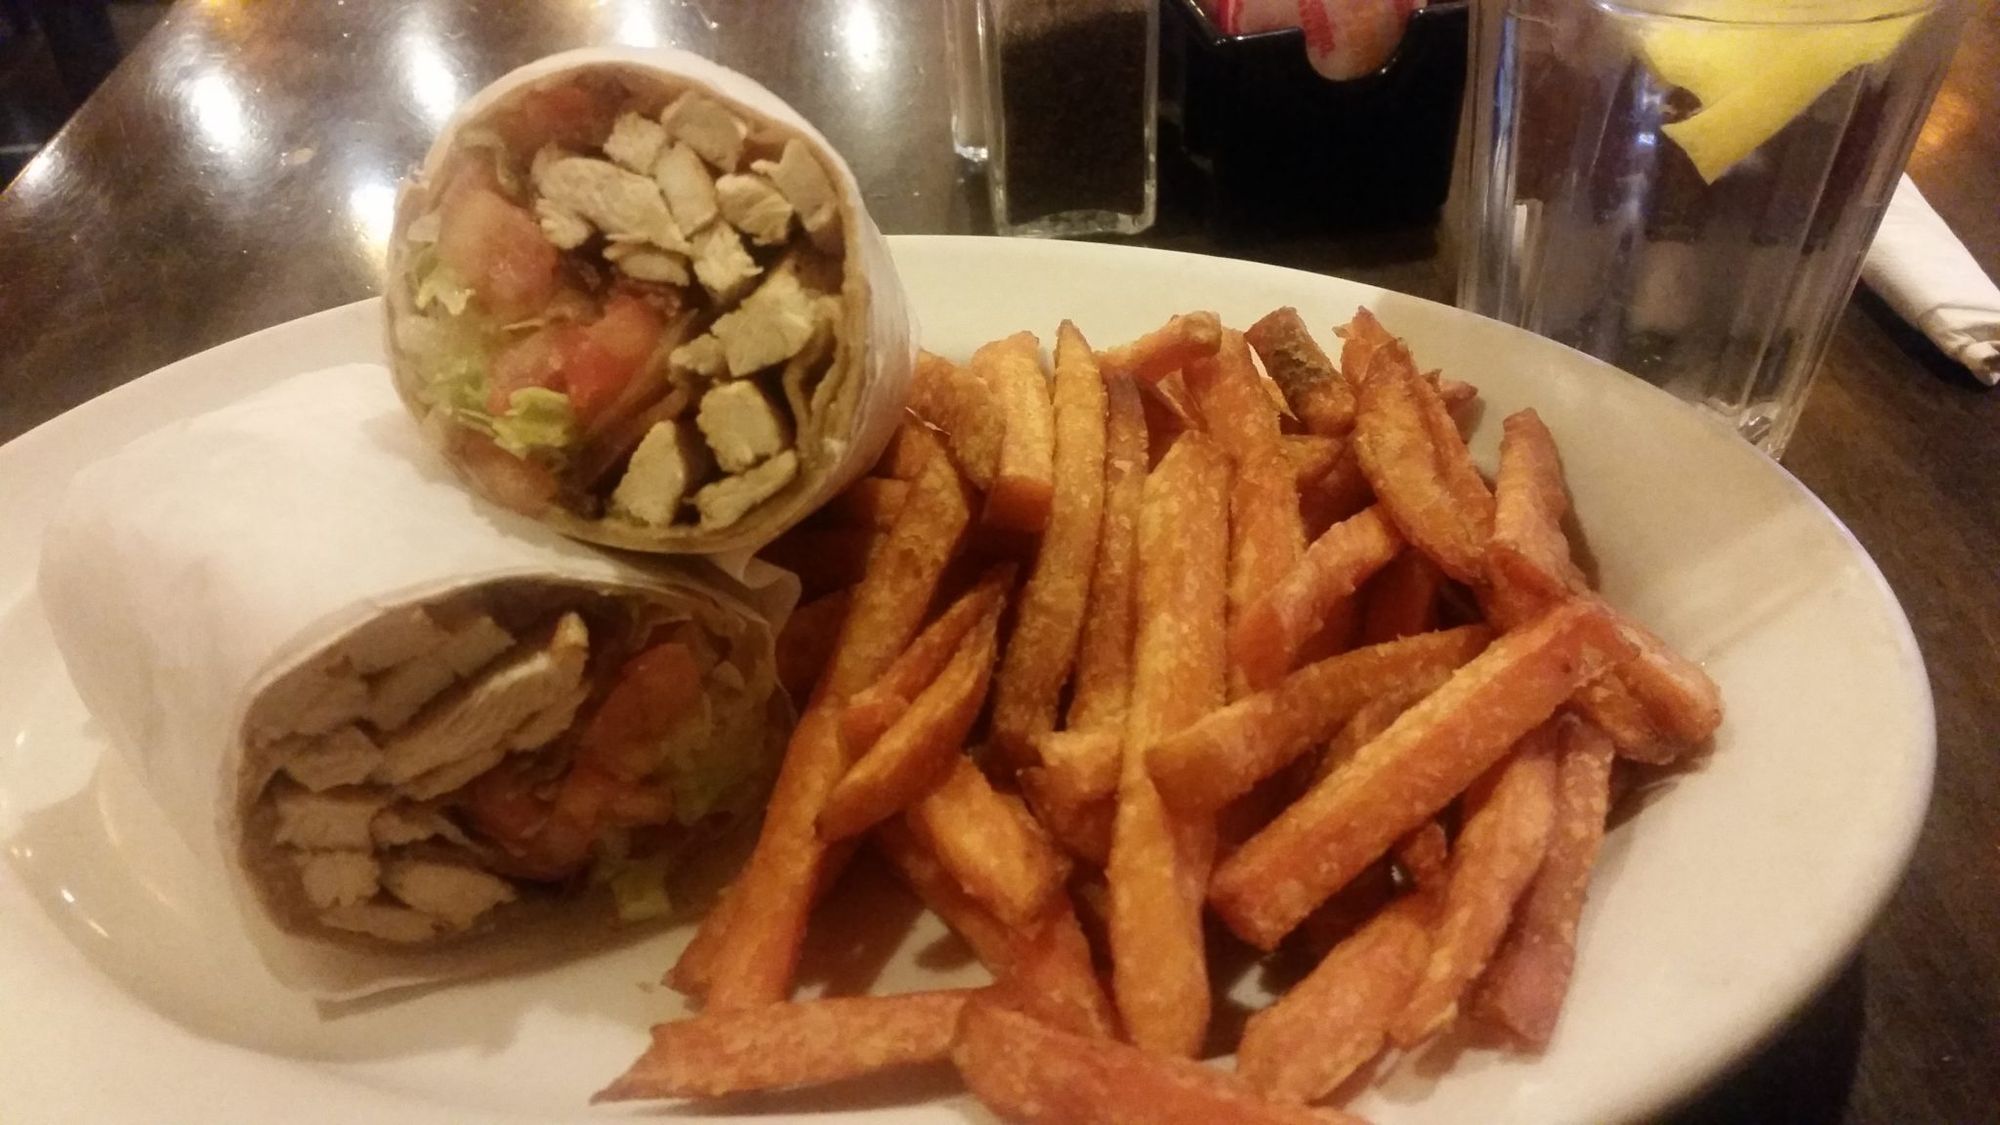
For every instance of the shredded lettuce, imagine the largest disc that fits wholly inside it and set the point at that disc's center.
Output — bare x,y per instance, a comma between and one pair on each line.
537,419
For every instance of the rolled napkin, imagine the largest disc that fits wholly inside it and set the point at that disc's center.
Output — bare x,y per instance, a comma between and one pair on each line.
420,737
635,295
1928,276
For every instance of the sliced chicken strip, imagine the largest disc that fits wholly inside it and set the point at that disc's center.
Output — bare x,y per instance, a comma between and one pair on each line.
635,142
402,823
333,879
662,471
806,187
742,425
725,268
479,715
753,205
454,893
725,501
769,327
346,756
689,189
335,820
398,694
626,206
390,639
706,127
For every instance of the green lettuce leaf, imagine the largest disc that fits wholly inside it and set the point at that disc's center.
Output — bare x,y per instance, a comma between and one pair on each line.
537,419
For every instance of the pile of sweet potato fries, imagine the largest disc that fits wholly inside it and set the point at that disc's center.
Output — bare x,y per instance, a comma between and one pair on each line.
1201,625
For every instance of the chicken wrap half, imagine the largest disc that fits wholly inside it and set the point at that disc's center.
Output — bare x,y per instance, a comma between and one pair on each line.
407,726
635,295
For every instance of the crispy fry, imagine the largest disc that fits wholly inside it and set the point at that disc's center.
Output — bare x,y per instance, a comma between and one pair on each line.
1219,757
1266,536
1338,494
1169,410
1375,716
1361,338
691,971
907,452
1401,600
1026,1071
1657,705
1103,683
1080,823
1049,618
1508,816
1331,1023
966,409
1159,862
1286,611
1453,393
806,642
1312,456
1048,964
1083,764
1424,858
1006,864
915,753
796,1044
876,707
1168,348
1316,393
1024,478
1523,988
776,888
871,502
1412,770
1426,484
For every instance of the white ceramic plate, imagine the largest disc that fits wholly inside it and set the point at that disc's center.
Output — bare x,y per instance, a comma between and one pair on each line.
125,993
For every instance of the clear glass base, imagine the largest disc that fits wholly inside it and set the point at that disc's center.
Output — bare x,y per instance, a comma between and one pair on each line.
1077,224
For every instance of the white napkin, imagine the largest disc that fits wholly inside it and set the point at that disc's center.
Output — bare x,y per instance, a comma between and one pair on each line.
1927,275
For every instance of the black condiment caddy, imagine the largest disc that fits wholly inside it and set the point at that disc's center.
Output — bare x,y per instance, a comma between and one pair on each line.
1271,146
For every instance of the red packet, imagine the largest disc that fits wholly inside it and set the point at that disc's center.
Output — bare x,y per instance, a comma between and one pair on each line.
1344,38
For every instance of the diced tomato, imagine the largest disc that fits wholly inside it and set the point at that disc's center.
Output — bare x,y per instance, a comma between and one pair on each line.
571,116
655,690
602,358
498,249
507,480
528,362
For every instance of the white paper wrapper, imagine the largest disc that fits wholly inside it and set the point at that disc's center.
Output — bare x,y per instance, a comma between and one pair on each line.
193,568
865,388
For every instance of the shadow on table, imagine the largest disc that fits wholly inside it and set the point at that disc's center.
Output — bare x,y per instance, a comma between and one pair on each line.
1804,1076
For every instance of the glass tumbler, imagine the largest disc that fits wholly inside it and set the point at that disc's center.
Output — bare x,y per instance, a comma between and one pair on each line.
1686,188
1071,87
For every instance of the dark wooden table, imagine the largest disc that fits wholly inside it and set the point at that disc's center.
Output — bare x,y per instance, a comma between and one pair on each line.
237,172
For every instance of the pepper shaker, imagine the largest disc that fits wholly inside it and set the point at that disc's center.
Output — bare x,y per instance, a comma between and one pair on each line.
1071,89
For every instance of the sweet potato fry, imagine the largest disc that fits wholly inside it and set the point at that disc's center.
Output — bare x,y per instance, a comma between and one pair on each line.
1523,988
1360,338
776,888
1331,1023
1080,823
1338,494
1375,716
1657,705
871,502
692,970
1285,611
1316,393
1506,834
876,707
917,751
806,642
967,410
1312,456
1159,862
1103,683
1422,482
1168,348
1266,535
1401,600
1169,411
1049,617
1008,865
1047,964
797,1044
907,451
1412,770
1083,764
1220,756
1024,479
1026,1071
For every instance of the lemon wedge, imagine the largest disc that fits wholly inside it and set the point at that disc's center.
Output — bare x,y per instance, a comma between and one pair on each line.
1752,79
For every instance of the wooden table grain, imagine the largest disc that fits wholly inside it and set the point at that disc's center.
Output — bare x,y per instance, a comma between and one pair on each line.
237,172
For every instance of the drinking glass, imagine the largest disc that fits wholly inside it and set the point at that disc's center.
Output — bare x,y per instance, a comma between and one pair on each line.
1686,188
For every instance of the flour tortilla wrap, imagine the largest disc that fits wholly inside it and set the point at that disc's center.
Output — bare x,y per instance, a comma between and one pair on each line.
317,650
636,296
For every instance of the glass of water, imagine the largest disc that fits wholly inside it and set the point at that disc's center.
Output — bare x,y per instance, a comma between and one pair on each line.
1686,188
